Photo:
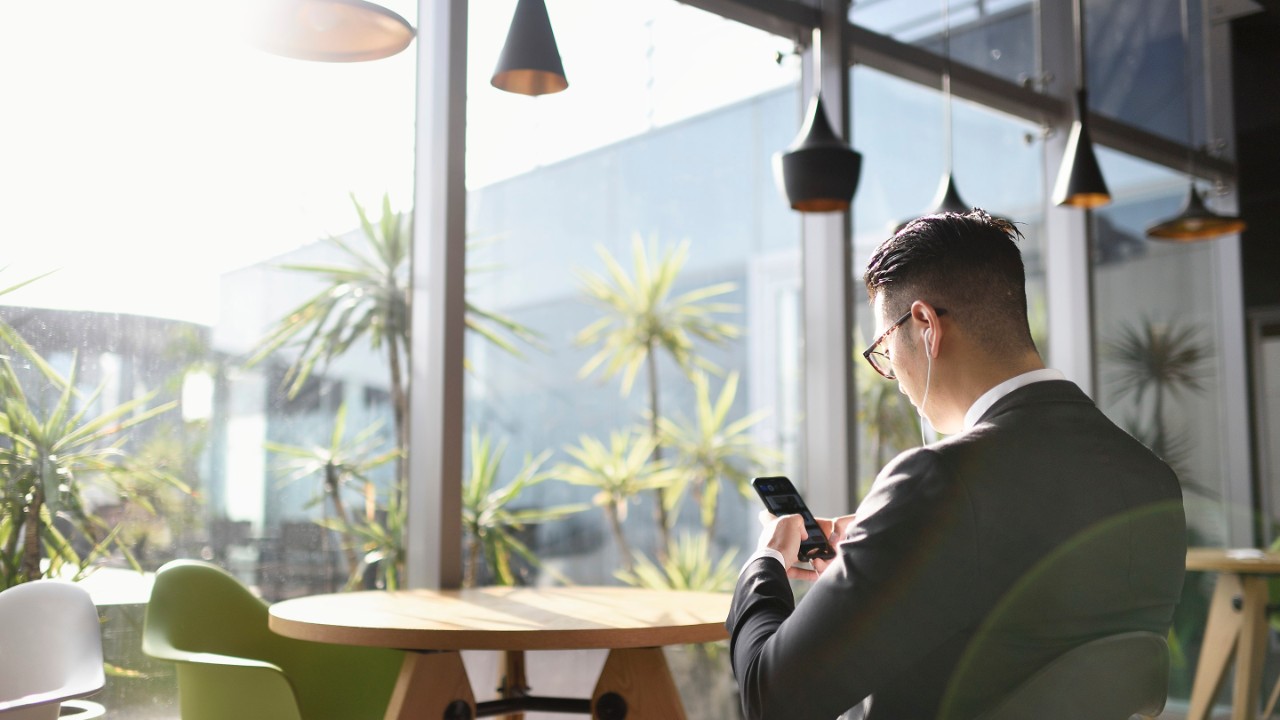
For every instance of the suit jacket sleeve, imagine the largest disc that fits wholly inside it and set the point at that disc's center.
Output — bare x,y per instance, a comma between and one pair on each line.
895,593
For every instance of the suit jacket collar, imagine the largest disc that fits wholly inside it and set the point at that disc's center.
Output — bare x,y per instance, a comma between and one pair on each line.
1048,391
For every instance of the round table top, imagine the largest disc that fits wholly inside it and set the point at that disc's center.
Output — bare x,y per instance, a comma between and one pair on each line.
1235,560
505,618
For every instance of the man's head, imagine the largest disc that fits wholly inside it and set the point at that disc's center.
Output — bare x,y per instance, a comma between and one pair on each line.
960,280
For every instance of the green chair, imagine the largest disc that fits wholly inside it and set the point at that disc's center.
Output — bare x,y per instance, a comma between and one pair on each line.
1113,678
231,666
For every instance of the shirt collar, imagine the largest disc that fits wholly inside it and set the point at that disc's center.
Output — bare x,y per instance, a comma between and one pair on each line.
989,398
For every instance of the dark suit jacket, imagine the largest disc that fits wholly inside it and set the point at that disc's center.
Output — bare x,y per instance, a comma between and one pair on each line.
973,562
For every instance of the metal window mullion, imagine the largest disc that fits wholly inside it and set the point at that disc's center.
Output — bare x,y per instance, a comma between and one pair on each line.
1068,275
433,531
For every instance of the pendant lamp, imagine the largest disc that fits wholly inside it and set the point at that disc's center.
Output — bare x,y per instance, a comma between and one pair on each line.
1080,183
331,30
819,171
1195,221
530,61
947,199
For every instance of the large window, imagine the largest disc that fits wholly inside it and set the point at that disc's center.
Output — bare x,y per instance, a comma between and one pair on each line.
158,175
1158,323
997,167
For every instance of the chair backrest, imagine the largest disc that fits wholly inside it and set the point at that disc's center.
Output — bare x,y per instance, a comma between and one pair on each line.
50,643
1112,678
196,607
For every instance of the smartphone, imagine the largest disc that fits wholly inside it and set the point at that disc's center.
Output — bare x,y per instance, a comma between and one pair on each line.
781,498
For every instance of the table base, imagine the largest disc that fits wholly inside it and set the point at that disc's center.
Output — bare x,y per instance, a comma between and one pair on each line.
635,684
1237,631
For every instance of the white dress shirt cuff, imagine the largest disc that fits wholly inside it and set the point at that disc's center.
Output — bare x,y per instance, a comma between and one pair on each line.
763,553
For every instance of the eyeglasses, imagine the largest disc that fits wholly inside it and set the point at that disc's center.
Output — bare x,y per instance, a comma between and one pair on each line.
879,359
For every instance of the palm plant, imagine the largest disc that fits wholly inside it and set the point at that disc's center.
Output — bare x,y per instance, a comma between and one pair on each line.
709,449
367,300
49,457
886,415
339,466
688,567
641,318
379,533
489,520
1160,360
620,472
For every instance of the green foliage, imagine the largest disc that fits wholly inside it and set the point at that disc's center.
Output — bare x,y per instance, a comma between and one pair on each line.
688,566
710,450
1157,357
887,417
620,472
491,524
49,457
642,317
338,466
1159,361
366,299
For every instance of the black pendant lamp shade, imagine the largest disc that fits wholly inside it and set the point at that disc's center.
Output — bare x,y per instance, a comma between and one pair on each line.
1080,182
530,61
819,171
946,201
1195,222
331,30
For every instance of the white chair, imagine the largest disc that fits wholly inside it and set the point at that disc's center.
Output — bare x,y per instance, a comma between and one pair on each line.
50,651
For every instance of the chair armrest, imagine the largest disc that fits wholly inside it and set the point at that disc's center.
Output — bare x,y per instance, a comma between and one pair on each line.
45,698
222,686
31,700
202,658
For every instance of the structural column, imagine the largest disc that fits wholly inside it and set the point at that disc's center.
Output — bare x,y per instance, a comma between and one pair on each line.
433,532
830,409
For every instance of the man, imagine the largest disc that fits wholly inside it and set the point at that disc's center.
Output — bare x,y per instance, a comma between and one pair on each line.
1036,526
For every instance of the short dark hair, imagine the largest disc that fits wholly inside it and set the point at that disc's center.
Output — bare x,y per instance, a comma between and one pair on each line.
967,263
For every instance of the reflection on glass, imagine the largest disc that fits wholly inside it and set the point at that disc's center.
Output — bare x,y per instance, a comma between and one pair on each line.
155,237
1135,54
1159,376
995,36
998,163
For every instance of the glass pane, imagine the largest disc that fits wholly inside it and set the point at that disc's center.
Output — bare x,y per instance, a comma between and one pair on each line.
162,175
1135,53
663,138
995,36
998,166
1158,350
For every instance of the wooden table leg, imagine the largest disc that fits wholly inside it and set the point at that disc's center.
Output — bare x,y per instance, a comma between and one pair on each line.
429,683
1251,648
1220,634
641,678
513,683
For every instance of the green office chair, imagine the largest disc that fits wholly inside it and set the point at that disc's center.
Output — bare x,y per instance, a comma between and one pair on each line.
232,667
1113,678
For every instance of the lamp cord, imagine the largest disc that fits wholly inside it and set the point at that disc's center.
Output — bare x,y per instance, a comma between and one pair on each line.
946,84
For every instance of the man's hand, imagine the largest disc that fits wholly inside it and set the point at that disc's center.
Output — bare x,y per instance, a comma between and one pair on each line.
834,529
784,535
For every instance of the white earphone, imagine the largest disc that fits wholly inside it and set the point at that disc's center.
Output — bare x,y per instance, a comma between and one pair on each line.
928,378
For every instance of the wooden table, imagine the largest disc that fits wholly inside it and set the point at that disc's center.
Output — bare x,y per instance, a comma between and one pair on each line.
1237,627
433,626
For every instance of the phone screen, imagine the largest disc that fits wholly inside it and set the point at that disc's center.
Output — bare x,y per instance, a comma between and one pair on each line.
780,497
